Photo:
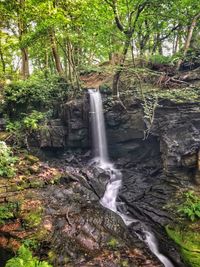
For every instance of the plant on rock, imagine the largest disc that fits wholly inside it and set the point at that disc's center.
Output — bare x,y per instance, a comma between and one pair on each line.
191,206
25,258
7,161
21,129
7,211
31,121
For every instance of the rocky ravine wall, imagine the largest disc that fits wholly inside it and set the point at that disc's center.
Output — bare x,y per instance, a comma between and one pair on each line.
175,133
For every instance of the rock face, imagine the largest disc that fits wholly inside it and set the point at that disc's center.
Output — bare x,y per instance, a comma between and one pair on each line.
153,168
69,131
81,234
178,128
174,134
53,135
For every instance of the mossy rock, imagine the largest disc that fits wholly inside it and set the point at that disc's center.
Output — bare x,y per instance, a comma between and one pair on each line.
32,159
113,243
31,212
33,218
41,234
37,184
34,169
189,242
4,136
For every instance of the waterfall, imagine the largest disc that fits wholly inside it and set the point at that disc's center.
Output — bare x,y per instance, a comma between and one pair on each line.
102,160
98,129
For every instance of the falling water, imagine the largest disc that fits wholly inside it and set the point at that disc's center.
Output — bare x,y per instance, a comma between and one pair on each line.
98,128
101,159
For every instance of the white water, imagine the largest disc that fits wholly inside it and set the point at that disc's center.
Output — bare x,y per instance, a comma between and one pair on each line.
112,189
98,129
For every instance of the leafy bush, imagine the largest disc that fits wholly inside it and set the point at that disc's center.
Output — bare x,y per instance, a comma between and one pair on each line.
6,161
31,121
30,243
36,93
191,206
160,59
25,258
20,130
7,212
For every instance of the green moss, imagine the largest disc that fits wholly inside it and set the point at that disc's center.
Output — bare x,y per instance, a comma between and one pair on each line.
7,212
192,259
36,184
189,242
180,95
25,258
33,218
41,234
32,159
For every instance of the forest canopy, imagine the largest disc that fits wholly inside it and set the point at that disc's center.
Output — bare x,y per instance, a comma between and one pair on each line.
67,37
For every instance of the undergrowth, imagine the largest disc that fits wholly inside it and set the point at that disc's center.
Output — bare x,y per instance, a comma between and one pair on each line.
24,258
190,208
7,161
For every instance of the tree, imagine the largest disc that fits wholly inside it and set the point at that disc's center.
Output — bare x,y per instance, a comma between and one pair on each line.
189,37
127,27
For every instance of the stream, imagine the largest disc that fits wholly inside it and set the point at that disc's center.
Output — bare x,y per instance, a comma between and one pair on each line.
101,159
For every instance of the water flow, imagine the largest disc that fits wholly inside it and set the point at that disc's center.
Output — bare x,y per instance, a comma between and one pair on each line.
98,128
112,189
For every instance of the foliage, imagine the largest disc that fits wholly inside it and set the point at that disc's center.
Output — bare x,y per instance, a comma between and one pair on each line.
19,130
191,206
181,95
160,59
7,161
30,243
39,93
113,243
25,258
31,121
7,211
191,60
86,33
33,218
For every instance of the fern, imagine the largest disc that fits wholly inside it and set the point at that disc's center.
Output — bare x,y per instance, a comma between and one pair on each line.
24,258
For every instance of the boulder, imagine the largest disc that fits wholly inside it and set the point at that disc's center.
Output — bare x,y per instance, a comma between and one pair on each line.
53,136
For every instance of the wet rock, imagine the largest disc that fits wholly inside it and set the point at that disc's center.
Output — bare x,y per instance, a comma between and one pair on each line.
178,126
74,115
2,124
52,137
84,232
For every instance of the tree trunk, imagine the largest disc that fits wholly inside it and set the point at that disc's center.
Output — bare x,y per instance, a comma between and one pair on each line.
117,74
55,54
176,39
25,63
189,38
2,59
73,75
24,50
